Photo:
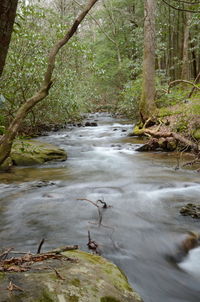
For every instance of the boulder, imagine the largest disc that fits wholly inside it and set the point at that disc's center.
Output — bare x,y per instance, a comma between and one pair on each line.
31,152
89,278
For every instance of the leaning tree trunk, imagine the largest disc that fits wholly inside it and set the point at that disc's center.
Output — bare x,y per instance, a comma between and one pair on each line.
7,17
7,139
147,102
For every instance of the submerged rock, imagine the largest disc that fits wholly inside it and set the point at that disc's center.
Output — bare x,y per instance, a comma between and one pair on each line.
91,124
191,210
31,152
89,278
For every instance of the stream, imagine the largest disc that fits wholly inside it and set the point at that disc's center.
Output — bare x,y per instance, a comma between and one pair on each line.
141,229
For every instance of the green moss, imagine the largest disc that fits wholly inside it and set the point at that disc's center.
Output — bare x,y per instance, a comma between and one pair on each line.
73,299
2,276
109,299
196,134
46,297
76,282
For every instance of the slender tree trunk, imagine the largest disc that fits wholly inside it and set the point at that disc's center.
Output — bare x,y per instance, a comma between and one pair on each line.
147,102
185,64
7,139
7,17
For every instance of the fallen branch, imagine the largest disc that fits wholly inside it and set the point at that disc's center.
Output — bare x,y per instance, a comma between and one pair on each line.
178,137
22,264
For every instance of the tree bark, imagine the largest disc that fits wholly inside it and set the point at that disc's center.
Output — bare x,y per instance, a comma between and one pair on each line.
7,139
185,63
147,104
7,17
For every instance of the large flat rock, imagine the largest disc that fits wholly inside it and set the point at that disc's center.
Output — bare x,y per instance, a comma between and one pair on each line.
31,152
89,278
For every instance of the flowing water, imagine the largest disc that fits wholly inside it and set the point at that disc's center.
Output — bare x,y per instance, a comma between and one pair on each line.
141,230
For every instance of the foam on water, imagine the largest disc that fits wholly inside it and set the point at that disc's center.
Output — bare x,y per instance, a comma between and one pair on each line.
191,263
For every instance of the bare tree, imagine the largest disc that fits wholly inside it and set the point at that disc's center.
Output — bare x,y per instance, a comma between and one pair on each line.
7,17
7,139
147,103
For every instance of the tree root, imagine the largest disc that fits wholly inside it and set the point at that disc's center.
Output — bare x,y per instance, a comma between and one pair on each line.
177,138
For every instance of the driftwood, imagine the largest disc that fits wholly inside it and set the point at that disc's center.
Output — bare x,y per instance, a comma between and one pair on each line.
99,208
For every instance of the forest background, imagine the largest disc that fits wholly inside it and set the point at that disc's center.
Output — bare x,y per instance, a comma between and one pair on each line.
102,66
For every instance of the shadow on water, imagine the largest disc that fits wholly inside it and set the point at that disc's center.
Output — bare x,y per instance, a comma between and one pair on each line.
141,229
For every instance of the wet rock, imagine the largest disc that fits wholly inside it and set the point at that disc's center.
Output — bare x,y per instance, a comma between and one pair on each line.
161,144
43,183
191,210
190,242
89,278
91,124
152,145
30,152
171,144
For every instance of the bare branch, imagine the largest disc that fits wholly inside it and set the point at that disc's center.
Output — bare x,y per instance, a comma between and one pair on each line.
180,9
181,81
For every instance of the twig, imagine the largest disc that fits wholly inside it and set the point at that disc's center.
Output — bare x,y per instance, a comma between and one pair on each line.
40,246
5,254
182,81
57,273
13,286
64,249
92,245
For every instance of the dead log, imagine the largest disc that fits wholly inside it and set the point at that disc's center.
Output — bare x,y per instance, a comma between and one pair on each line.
179,138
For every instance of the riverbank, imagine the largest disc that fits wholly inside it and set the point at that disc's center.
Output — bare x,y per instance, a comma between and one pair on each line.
174,128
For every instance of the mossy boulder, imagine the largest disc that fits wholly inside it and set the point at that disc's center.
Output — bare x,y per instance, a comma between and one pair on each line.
89,278
7,164
31,152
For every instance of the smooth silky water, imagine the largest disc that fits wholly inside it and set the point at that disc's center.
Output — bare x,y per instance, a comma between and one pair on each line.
142,229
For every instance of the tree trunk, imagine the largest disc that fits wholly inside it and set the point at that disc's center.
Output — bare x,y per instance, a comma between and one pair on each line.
7,17
147,103
7,139
185,64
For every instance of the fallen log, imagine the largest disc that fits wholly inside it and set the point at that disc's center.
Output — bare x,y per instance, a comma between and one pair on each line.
161,134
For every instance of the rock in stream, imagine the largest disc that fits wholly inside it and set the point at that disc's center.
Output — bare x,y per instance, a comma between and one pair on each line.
89,278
